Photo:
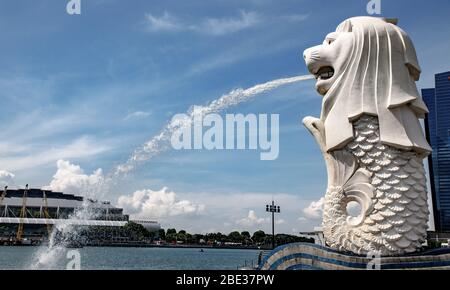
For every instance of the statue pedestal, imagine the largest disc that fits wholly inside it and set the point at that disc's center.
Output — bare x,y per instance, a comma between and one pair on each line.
304,256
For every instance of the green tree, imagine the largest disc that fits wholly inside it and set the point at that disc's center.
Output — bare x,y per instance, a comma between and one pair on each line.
171,235
181,236
235,237
259,236
245,235
136,231
216,237
171,231
198,237
190,239
162,234
432,244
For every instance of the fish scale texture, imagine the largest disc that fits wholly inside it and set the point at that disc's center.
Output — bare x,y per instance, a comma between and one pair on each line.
397,221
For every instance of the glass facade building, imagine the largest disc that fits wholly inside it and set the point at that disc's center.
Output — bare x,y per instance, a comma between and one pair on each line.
437,127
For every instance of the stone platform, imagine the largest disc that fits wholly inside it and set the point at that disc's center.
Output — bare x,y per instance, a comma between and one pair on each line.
304,256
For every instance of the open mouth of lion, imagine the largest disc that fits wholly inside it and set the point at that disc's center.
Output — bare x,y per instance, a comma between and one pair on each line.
324,73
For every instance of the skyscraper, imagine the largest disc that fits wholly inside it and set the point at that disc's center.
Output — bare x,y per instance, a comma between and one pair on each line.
437,127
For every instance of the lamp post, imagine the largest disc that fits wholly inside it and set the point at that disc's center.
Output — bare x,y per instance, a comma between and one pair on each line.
272,208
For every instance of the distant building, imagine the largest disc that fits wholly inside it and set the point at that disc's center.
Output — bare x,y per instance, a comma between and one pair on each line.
45,207
58,204
437,127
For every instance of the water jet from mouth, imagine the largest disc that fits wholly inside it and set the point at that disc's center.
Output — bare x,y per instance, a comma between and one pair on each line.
64,233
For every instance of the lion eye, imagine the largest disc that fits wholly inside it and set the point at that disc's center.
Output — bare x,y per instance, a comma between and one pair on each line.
329,40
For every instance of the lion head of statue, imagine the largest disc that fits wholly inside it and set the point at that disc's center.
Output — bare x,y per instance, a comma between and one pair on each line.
369,66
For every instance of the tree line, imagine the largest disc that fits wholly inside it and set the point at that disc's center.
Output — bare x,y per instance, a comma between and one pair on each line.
134,232
171,235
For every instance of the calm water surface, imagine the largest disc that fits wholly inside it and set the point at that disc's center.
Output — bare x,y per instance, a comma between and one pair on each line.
133,258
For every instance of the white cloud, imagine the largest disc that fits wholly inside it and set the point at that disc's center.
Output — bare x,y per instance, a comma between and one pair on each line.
137,115
148,203
315,209
295,17
225,211
252,220
166,22
70,178
221,26
212,26
6,177
79,148
226,206
218,26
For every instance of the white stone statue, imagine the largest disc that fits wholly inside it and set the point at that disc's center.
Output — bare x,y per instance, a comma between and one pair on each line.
370,137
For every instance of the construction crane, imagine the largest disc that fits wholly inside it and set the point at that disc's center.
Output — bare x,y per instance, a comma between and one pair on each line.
23,214
2,197
46,215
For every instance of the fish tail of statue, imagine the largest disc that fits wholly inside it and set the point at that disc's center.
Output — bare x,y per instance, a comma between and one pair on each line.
389,184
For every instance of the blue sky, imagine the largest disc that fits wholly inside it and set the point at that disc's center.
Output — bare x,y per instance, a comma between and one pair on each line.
91,88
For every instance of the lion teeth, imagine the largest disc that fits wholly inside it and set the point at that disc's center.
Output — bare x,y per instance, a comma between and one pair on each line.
324,73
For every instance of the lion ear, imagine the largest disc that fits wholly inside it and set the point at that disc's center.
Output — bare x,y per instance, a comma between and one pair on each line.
391,20
345,26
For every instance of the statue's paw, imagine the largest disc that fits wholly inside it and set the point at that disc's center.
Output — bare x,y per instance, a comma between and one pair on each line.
312,123
317,129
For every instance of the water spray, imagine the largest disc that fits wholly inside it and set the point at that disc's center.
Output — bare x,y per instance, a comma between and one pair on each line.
64,233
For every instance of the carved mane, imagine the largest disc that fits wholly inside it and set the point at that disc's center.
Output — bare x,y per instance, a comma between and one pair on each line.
378,80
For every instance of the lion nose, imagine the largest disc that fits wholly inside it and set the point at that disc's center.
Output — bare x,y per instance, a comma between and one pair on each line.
311,53
306,53
311,56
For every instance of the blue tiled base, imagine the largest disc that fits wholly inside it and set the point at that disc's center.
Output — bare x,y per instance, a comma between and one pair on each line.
303,256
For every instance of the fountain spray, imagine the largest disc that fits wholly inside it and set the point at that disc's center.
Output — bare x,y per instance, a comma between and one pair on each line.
65,233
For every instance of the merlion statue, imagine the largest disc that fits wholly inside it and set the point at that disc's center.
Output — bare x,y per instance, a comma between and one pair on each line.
370,137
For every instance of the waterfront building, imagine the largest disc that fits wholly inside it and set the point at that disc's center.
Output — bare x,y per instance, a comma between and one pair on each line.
44,208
